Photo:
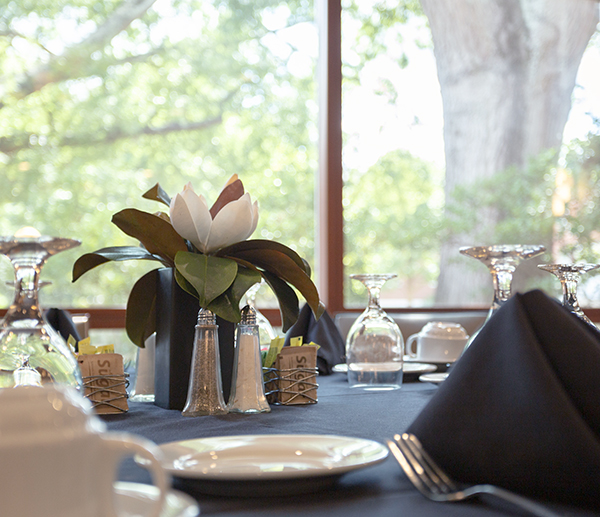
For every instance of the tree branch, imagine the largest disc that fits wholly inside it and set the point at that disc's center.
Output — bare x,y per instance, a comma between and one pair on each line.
10,146
68,65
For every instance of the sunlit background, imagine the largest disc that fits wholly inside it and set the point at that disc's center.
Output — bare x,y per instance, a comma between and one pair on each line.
197,90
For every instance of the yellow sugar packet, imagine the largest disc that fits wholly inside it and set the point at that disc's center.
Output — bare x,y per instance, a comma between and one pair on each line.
72,342
274,349
85,348
296,341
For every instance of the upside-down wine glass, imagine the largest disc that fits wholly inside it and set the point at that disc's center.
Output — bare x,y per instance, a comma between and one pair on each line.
502,261
31,351
265,329
374,346
569,275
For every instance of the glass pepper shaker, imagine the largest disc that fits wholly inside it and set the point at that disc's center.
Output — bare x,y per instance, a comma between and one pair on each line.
205,389
247,388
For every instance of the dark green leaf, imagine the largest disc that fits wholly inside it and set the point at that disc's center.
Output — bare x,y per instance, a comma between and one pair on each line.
284,267
140,318
156,193
227,306
210,276
157,235
185,285
118,253
240,248
288,301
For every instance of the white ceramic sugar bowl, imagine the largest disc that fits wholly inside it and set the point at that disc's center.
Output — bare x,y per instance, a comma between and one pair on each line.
56,458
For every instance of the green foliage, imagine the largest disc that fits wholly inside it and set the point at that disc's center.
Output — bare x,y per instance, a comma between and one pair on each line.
379,26
577,227
550,204
393,216
520,200
192,90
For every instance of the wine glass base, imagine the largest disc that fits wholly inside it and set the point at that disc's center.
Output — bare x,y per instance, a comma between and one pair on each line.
368,387
375,376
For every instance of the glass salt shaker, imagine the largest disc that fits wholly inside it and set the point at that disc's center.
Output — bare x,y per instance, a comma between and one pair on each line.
205,389
247,388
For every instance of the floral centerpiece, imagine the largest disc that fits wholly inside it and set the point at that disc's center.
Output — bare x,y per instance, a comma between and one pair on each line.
210,255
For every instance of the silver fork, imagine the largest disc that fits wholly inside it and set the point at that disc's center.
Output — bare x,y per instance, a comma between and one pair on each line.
434,483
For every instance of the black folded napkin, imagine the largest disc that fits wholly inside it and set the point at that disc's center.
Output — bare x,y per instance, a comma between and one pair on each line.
62,322
521,408
324,333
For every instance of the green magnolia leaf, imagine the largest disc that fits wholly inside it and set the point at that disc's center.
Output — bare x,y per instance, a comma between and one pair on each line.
240,248
157,235
227,306
115,254
184,284
156,193
210,276
287,269
288,301
140,317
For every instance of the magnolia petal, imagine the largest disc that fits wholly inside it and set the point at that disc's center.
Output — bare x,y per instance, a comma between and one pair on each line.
190,217
234,223
200,213
254,217
234,177
182,221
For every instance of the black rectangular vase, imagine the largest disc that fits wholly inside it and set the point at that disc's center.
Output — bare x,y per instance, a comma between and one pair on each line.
176,316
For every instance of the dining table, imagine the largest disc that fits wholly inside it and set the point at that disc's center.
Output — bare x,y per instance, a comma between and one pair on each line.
381,489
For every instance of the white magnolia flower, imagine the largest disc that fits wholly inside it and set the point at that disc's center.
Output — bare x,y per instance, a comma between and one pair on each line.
191,218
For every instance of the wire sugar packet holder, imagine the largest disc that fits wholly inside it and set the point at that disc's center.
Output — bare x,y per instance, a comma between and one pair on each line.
104,379
290,372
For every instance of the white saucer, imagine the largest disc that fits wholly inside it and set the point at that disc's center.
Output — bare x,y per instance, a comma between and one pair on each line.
435,378
408,368
267,464
135,500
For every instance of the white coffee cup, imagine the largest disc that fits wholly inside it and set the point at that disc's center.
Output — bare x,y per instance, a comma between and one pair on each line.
58,461
437,342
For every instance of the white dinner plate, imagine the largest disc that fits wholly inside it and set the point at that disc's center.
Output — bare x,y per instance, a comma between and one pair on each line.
135,500
408,368
268,464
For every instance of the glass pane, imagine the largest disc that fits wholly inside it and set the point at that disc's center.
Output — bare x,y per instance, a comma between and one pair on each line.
453,139
102,100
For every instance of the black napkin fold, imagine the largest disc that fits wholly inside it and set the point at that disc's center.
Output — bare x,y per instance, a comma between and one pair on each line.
62,322
323,332
521,408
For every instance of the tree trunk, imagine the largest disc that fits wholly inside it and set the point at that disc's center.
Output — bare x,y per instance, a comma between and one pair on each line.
507,70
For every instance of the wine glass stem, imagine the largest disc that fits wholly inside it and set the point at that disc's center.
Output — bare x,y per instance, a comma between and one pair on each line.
569,286
502,284
374,293
25,304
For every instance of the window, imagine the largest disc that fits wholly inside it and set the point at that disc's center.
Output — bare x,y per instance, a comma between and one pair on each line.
442,144
104,99
459,130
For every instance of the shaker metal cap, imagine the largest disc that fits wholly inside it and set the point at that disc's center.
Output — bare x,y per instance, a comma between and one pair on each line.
248,316
206,318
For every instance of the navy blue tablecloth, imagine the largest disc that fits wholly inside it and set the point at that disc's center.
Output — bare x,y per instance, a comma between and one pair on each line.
380,490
